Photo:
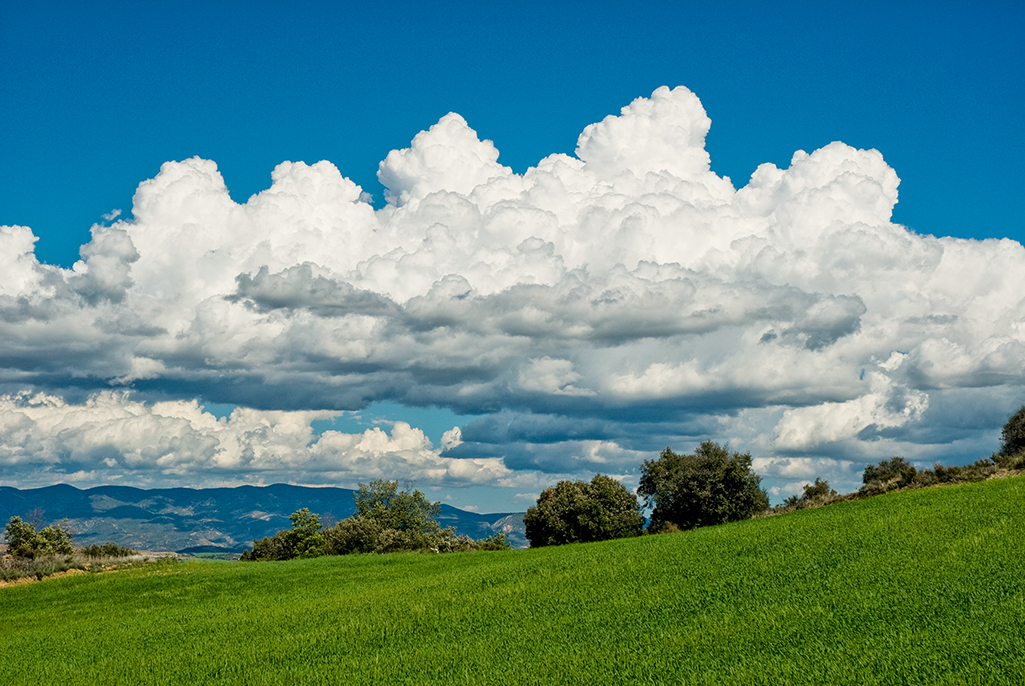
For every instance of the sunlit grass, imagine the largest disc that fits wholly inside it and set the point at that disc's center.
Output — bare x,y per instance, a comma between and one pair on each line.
923,586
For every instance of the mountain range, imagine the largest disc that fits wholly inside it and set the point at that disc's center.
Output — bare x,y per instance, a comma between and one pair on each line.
208,520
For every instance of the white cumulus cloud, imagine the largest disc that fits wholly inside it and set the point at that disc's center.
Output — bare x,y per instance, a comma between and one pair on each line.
594,309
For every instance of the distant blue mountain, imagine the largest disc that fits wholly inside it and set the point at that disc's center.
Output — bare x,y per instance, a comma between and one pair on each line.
207,519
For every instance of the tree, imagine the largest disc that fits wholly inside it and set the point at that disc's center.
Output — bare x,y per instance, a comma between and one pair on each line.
382,502
24,541
388,520
303,540
577,512
818,493
1013,434
709,487
888,475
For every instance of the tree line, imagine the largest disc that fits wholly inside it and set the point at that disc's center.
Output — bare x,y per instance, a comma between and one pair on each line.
26,543
386,520
714,486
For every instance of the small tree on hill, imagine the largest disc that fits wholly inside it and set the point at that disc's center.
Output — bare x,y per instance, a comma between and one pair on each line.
388,520
577,512
303,540
818,493
24,541
382,502
711,486
888,475
1013,434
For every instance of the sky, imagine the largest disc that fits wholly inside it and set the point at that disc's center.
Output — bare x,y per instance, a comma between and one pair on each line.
480,249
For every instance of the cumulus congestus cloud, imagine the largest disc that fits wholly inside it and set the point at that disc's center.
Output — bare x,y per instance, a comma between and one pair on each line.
595,308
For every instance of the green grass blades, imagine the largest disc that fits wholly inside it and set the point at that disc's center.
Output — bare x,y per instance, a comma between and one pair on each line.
918,587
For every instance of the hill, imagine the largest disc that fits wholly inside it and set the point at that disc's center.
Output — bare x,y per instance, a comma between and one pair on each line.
917,587
209,519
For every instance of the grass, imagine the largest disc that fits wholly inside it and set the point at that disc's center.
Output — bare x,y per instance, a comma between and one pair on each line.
925,586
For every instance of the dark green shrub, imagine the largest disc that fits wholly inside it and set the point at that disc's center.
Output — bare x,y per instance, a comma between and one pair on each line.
1013,434
109,549
711,486
303,540
577,511
887,476
818,493
24,541
386,520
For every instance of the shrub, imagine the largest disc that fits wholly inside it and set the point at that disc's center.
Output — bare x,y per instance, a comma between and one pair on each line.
303,540
818,493
24,541
387,520
710,486
109,549
577,511
1013,434
887,476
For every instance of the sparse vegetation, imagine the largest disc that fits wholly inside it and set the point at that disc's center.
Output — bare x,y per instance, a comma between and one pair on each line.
109,549
39,554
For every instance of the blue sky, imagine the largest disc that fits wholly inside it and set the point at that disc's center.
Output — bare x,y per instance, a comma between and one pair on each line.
102,94
97,97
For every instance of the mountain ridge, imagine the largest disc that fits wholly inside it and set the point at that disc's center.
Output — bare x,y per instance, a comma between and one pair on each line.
211,519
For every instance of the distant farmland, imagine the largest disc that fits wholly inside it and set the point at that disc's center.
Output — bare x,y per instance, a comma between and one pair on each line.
917,587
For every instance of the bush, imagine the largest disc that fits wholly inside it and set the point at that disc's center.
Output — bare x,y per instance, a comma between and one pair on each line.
577,511
24,541
303,540
1013,434
887,476
818,493
709,487
109,549
387,520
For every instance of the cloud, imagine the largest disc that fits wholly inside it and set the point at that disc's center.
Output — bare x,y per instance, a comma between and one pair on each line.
593,309
113,437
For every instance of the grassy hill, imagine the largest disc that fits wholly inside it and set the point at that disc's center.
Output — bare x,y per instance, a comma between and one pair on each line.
918,587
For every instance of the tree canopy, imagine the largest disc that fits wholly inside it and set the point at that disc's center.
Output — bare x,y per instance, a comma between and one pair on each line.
382,502
387,520
304,539
24,541
710,486
577,511
1013,434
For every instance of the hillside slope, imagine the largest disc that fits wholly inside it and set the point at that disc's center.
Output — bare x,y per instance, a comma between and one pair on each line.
918,587
227,519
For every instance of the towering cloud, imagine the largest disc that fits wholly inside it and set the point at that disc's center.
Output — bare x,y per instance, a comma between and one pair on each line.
594,309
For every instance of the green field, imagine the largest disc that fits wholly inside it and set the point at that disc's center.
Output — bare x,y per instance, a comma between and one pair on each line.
923,587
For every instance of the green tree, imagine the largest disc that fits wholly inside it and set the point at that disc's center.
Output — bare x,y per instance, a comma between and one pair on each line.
382,502
577,511
708,487
887,475
303,540
24,541
21,538
388,520
817,493
1013,434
